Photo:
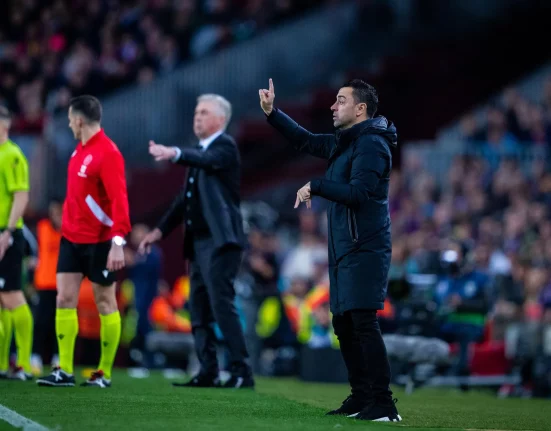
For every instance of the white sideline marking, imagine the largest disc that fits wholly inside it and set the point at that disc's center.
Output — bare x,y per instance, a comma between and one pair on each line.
18,421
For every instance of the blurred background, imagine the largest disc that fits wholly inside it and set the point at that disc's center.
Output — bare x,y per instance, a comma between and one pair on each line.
468,85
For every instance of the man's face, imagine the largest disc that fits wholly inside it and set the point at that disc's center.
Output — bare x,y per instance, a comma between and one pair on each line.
208,119
346,111
75,124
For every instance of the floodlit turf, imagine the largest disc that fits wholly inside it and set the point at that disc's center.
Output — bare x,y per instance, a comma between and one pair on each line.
277,404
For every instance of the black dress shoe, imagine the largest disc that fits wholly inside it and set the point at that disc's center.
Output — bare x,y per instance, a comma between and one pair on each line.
199,381
237,382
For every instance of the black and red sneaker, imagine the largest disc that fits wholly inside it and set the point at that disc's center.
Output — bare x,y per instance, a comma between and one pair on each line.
19,374
97,379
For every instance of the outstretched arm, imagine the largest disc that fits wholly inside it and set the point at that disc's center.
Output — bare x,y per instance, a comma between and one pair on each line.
218,156
300,138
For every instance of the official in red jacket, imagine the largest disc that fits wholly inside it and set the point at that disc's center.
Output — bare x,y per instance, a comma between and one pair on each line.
94,224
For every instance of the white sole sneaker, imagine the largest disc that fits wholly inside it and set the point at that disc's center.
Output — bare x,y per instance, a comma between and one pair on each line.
387,419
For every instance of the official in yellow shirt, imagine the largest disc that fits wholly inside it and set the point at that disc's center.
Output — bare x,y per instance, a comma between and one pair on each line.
15,314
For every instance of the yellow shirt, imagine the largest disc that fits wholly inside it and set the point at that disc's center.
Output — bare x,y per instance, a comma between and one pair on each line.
14,177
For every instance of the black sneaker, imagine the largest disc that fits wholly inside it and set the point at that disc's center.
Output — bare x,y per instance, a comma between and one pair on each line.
199,381
238,382
58,378
97,379
380,412
3,375
351,407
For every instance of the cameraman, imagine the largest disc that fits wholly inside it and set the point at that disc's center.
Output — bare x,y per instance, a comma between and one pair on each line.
461,295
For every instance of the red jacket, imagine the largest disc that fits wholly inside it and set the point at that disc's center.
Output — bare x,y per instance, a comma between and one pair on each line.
96,206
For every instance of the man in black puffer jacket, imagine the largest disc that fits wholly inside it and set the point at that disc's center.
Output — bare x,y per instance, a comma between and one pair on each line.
356,185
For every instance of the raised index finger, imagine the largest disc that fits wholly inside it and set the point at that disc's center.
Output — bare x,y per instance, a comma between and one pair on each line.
272,86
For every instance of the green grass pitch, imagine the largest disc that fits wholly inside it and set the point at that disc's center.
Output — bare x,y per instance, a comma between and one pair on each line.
276,404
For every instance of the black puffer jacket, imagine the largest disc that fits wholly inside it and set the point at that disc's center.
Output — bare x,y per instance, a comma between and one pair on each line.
356,183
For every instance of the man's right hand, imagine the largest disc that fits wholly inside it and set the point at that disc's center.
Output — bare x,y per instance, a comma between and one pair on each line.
160,152
267,98
151,238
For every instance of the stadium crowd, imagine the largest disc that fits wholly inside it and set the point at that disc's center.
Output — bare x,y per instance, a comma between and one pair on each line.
52,50
512,123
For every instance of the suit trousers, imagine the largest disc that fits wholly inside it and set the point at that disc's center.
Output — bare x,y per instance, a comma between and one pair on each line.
364,354
212,299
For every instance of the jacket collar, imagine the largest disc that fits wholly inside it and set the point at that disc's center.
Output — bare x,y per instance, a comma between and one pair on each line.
377,126
346,136
205,143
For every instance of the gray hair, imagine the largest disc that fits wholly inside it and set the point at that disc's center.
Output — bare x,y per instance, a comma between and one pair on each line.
224,107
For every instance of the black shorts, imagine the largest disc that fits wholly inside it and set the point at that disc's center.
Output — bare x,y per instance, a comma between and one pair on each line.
11,266
87,259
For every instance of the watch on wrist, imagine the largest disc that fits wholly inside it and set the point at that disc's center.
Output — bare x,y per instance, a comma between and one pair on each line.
118,240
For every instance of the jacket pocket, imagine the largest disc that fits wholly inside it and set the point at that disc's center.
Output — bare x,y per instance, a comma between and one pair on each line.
352,225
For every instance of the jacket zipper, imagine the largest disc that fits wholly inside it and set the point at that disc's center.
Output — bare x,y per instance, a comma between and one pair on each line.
330,220
352,226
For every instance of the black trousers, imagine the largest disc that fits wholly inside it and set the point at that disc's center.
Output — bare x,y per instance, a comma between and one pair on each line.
44,339
364,354
212,299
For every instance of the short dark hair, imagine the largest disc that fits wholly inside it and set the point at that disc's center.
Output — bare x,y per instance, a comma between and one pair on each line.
5,113
87,106
364,93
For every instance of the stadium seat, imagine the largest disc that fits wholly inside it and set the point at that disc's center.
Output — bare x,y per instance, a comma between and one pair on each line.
488,356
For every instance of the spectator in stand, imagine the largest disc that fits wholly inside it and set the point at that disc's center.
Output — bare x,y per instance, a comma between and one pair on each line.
167,308
53,50
545,301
